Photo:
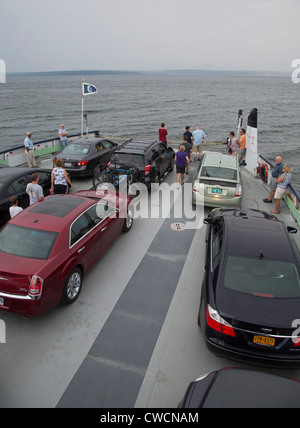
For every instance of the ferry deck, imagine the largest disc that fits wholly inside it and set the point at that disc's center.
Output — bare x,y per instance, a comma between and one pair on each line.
132,338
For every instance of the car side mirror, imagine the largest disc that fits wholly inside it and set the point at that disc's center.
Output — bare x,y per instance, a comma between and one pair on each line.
292,229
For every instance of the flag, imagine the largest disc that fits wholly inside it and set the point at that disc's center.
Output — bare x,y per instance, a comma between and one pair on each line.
88,89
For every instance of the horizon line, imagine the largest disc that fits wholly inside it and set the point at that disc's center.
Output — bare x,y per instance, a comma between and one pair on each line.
125,71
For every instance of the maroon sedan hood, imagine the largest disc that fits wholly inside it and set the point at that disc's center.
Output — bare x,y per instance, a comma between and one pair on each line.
16,273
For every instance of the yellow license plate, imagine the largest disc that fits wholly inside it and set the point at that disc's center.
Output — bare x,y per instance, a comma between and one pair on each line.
263,340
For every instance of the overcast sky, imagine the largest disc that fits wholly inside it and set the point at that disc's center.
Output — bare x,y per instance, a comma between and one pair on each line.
46,35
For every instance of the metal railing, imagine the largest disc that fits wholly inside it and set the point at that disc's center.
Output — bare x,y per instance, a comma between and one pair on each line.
291,187
16,156
49,140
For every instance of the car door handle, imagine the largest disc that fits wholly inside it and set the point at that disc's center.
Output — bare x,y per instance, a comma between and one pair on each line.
104,228
81,249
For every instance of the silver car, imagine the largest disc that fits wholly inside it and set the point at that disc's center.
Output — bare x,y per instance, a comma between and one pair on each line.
218,182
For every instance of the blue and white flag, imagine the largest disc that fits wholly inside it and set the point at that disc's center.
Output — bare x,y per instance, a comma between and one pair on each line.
88,89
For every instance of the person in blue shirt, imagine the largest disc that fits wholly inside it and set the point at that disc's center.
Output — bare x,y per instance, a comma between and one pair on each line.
29,150
198,137
283,182
273,183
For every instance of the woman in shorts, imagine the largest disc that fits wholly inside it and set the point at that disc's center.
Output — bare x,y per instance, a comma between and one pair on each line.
60,179
283,182
181,160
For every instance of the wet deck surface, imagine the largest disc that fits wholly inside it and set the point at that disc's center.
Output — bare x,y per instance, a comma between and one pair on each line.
131,339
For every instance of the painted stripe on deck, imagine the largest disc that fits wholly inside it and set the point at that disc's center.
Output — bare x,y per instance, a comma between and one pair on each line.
113,371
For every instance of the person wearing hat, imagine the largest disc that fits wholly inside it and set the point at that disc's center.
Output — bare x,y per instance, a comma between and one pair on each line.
29,150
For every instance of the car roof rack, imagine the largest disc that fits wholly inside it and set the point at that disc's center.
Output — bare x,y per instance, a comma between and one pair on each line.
136,146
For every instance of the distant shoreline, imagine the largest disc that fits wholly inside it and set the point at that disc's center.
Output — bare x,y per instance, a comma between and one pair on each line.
224,73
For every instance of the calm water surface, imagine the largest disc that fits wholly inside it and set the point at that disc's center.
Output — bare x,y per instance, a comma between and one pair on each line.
135,105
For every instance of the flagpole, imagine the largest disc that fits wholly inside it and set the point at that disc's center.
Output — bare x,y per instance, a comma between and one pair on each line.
82,108
87,89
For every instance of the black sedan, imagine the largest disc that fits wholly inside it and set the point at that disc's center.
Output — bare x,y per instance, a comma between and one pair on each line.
238,388
82,156
13,182
250,296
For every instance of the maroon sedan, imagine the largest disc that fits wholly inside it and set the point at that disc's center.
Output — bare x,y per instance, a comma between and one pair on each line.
46,250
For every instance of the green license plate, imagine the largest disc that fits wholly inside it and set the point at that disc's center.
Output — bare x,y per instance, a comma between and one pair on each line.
218,191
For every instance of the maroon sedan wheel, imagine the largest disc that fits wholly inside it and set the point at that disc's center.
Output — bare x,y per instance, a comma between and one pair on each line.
72,287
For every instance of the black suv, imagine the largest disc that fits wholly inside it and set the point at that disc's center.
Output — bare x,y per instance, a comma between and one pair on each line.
152,159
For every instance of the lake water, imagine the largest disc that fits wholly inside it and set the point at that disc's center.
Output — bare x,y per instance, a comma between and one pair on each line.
135,105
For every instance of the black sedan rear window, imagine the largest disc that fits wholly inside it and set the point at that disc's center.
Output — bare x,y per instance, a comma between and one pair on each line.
219,172
27,242
261,277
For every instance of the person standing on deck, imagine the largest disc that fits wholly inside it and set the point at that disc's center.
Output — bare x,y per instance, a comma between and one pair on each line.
232,144
29,151
34,190
188,134
162,133
242,147
278,169
60,179
181,161
63,135
188,148
283,182
14,209
198,137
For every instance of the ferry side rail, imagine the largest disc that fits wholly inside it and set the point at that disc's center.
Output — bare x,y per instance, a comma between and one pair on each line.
16,156
291,198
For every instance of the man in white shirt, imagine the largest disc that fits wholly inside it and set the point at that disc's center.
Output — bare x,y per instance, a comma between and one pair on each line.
34,190
63,135
14,209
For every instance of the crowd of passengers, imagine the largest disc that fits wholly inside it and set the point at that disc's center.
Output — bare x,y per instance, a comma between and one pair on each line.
192,145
